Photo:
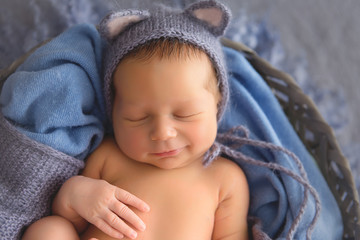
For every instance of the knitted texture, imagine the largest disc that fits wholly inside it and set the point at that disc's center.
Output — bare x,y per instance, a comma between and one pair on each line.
230,144
61,102
31,174
129,29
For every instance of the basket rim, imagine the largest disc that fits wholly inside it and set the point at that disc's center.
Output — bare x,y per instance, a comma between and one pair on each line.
302,112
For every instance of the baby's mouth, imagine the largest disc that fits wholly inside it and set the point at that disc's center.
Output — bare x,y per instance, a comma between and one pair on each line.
170,153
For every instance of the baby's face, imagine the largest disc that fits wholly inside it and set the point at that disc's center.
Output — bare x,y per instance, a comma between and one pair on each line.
163,113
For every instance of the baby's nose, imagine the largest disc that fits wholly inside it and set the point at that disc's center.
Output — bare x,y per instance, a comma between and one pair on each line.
162,131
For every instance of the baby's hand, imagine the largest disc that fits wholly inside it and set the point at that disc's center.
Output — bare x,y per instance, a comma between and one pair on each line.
102,204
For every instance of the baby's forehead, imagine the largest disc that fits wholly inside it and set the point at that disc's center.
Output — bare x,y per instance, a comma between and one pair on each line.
166,48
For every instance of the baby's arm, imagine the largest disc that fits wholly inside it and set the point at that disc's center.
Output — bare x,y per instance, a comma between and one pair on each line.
231,214
87,198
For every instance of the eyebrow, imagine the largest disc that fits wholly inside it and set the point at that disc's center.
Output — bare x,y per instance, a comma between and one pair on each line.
140,104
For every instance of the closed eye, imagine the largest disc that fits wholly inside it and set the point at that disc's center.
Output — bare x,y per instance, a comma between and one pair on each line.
136,119
186,116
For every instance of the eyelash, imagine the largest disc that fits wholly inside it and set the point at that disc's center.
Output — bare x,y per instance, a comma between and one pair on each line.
176,116
137,120
186,116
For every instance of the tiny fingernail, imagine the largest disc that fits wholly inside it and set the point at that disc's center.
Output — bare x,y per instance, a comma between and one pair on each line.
146,208
142,227
133,235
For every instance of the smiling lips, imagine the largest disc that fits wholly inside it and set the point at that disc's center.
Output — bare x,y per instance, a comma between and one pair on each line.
171,153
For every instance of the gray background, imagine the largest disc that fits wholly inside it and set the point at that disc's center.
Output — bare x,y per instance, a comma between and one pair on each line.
325,35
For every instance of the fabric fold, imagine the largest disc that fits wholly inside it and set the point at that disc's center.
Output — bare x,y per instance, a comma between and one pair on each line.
61,103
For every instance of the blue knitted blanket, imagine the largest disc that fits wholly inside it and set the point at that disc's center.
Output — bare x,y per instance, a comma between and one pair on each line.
55,98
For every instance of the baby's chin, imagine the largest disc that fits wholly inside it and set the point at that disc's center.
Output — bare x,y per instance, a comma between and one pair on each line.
170,163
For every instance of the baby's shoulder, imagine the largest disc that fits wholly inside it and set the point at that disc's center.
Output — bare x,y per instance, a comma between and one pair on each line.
106,148
229,174
224,166
103,152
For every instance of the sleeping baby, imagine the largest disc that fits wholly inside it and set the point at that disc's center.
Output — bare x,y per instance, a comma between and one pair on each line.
166,89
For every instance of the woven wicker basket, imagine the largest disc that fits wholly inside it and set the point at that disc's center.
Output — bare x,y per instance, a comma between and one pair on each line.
315,133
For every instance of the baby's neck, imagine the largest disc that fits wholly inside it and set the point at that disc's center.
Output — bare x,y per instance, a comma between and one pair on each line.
195,167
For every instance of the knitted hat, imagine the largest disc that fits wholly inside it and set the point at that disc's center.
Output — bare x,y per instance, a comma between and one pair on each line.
201,24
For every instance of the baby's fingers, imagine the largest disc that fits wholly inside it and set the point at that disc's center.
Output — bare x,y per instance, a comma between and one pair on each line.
115,223
129,199
106,228
128,215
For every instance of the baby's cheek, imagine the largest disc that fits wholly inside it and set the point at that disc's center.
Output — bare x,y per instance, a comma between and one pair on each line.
203,134
132,143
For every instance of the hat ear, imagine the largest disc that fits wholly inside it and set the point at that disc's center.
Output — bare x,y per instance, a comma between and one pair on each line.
213,14
114,23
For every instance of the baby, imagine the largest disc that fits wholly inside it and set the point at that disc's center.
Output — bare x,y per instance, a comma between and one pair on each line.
166,89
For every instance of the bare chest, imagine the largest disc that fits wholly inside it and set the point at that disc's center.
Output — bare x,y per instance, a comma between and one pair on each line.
182,207
182,204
